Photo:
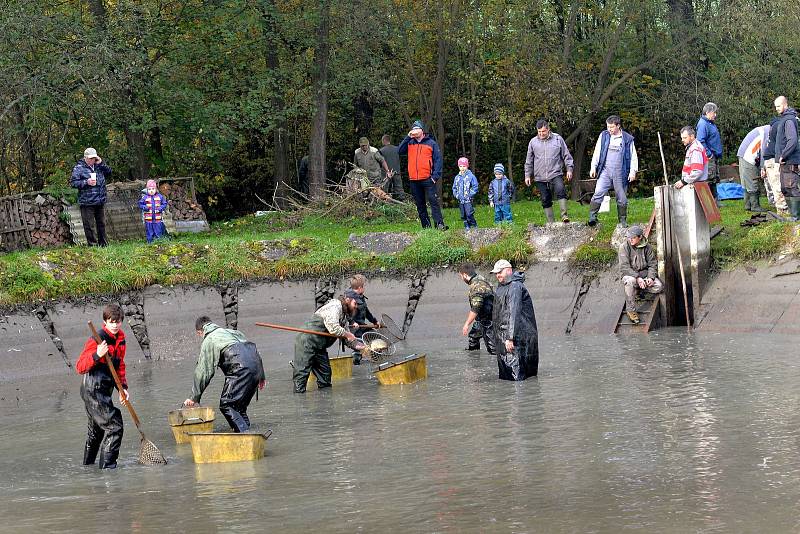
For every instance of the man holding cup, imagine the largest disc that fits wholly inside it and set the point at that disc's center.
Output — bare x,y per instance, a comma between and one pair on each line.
89,177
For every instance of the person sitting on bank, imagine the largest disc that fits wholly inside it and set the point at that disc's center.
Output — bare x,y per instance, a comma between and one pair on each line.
362,315
638,266
481,303
241,363
311,350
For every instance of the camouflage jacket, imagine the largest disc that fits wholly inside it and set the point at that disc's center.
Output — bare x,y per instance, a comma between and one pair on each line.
481,296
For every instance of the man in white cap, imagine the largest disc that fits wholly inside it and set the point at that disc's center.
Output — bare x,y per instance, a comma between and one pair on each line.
638,266
516,334
89,177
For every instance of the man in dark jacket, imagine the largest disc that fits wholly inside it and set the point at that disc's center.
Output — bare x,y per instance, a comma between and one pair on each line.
362,316
89,177
424,171
481,303
638,266
708,135
787,154
516,336
392,157
240,362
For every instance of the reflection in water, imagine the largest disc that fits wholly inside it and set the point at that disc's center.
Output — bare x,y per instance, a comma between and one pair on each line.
673,431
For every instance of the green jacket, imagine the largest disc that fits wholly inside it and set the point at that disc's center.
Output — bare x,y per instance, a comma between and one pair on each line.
639,261
215,340
481,296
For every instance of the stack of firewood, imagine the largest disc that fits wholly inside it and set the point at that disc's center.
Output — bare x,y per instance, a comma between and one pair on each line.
182,205
46,226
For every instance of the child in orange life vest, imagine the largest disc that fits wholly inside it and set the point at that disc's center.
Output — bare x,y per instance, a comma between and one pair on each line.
153,205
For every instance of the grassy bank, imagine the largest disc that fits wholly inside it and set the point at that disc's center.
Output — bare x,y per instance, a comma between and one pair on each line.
318,246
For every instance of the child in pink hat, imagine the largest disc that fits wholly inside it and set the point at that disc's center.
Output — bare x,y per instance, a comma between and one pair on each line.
465,187
153,205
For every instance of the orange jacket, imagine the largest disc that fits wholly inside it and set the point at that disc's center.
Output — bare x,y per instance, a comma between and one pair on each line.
424,158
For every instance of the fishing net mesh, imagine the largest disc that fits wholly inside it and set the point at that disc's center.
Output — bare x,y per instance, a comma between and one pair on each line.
377,347
149,454
391,327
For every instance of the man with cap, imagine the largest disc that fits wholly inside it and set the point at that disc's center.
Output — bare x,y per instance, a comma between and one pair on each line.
638,266
424,171
89,177
516,335
371,160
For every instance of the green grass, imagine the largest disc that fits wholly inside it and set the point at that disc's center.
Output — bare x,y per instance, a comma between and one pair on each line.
318,246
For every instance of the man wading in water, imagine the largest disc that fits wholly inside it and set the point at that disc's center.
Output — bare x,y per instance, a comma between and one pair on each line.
311,350
240,361
516,336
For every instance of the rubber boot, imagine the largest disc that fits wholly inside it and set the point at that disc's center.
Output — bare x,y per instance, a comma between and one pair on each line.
562,203
755,203
794,207
108,459
622,214
90,451
594,208
548,212
747,201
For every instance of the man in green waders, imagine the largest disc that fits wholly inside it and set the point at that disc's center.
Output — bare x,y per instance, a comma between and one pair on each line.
311,350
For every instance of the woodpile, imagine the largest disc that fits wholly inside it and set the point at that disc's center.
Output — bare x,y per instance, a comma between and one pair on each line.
182,202
34,220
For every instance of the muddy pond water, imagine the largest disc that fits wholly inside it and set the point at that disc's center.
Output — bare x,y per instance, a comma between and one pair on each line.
668,433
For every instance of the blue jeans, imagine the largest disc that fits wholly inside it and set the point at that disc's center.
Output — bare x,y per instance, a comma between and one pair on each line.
420,190
606,181
502,213
468,214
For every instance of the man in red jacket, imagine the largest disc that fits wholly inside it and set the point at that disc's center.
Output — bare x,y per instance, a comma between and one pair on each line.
424,170
97,387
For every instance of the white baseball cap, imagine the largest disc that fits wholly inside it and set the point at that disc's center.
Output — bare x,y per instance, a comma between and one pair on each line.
500,265
90,153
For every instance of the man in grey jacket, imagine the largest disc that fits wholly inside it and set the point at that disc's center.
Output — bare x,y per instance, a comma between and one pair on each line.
547,156
638,266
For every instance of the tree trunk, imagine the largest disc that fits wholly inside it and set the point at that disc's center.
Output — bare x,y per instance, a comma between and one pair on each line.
362,116
140,167
280,132
319,122
32,178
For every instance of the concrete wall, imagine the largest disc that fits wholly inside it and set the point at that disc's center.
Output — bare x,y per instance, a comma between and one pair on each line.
751,299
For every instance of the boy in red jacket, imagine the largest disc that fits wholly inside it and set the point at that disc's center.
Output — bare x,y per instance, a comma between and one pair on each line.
97,387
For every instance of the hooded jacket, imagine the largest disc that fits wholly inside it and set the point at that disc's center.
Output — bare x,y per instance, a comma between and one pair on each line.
95,367
639,261
501,191
465,187
786,146
424,158
514,319
90,195
215,340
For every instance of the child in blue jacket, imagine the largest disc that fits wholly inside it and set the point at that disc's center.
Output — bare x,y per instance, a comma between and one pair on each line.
501,191
465,187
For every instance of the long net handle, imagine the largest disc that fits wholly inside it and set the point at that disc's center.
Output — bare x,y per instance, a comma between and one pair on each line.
301,330
127,403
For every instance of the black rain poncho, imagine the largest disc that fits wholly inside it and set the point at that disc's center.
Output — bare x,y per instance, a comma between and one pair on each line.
514,319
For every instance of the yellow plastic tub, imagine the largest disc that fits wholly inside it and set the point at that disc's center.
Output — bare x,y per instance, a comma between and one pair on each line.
210,447
341,368
199,419
406,371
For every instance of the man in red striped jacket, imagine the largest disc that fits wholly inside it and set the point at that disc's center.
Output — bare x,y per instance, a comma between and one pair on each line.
424,170
695,164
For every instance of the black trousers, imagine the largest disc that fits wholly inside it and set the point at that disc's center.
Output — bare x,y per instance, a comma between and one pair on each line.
422,190
104,432
482,329
94,215
547,189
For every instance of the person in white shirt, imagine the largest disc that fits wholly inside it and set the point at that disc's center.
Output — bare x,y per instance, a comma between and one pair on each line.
614,164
